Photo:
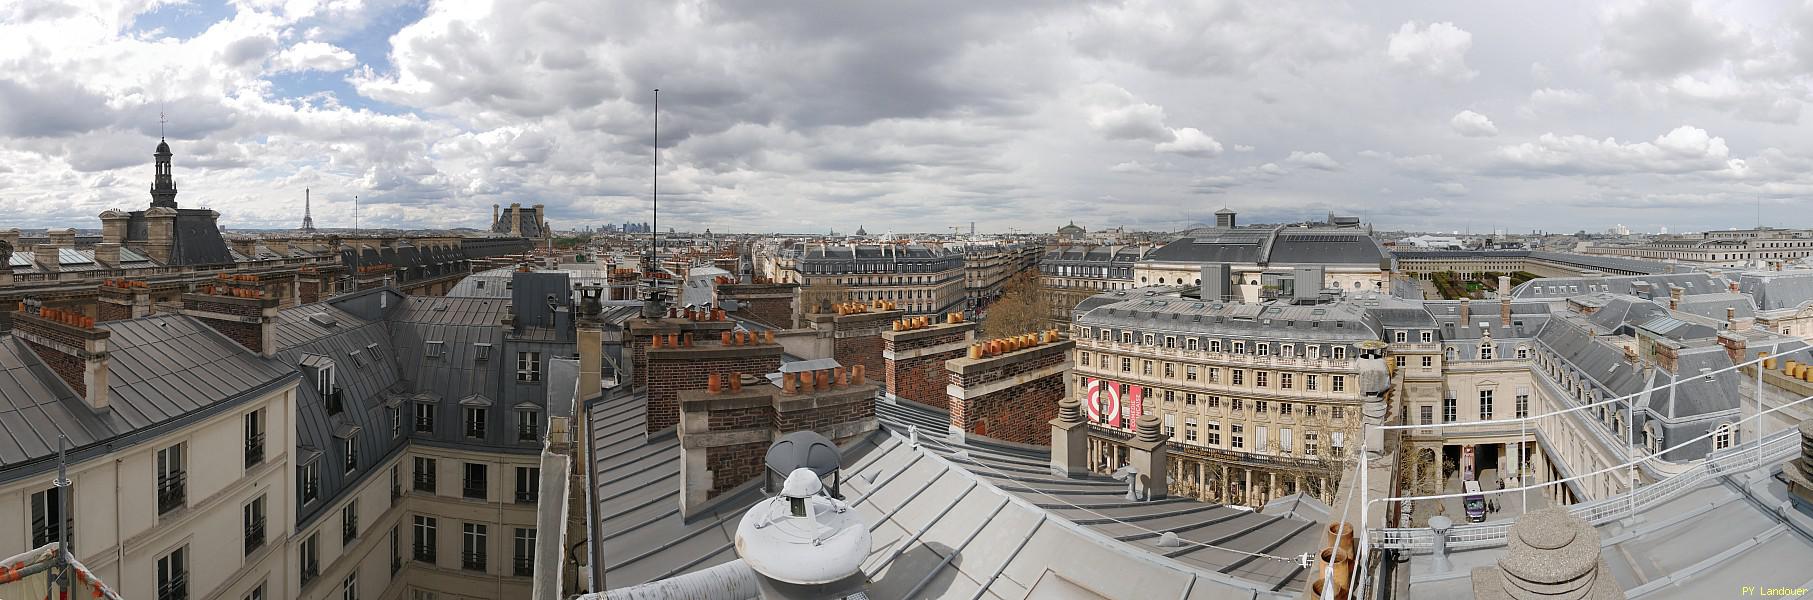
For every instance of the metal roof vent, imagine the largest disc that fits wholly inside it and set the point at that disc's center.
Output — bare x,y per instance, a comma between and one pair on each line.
805,542
322,319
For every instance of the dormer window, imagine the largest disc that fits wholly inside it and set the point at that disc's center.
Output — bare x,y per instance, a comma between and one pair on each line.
436,349
483,351
1338,352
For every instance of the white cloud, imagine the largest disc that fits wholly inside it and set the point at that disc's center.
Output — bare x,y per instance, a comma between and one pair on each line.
1438,49
313,56
1132,166
1686,149
1452,188
1242,148
1313,160
1190,141
1472,124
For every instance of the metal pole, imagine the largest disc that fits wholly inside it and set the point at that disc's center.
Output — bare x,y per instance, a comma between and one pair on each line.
1523,438
1757,430
65,557
654,230
1630,452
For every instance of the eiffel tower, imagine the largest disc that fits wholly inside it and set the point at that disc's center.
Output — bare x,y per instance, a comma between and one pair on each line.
308,221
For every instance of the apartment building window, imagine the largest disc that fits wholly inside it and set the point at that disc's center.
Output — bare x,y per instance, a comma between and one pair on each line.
254,438
475,422
1721,438
253,513
257,593
1126,365
1239,347
1485,404
1337,413
1523,405
1485,352
1104,335
349,587
424,417
1214,375
48,521
173,575
1145,367
1189,399
1338,352
424,538
1309,443
1401,337
349,522
1190,344
1260,443
1284,408
1400,361
396,422
311,481
1237,437
528,484
1450,410
172,481
1309,382
1259,378
1126,337
1170,341
1287,351
1146,340
1189,430
1428,336
1215,402
396,551
1170,396
1189,373
1170,426
528,366
1427,413
1214,345
1237,404
1339,443
1428,362
1170,370
1214,431
1286,445
1083,358
1104,361
528,425
472,547
424,474
349,448
1337,383
474,484
1239,377
1262,349
311,558
525,552
1284,381
1260,406
1312,352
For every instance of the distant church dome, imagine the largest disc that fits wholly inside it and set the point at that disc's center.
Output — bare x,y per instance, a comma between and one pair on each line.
1071,228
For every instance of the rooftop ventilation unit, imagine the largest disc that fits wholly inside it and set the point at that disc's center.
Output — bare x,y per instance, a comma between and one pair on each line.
805,542
322,319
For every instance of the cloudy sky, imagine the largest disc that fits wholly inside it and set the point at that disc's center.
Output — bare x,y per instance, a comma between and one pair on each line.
915,116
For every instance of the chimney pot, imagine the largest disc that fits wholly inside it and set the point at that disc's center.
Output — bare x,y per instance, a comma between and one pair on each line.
736,382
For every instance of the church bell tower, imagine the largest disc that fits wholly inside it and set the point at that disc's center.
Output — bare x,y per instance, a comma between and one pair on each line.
163,187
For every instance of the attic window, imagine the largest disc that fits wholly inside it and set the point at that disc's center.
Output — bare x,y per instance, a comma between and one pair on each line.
357,356
480,284
484,351
436,349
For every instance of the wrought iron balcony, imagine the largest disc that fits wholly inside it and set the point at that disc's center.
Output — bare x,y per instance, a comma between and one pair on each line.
311,490
254,450
172,492
528,433
424,424
334,400
310,569
254,537
524,567
349,532
424,482
424,553
175,588
527,496
472,561
475,491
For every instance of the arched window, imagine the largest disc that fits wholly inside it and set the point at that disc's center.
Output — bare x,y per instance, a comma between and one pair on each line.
1721,437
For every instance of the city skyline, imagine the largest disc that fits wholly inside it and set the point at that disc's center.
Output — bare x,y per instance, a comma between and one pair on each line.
1652,114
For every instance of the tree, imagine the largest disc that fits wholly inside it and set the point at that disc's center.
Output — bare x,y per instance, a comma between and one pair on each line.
1024,307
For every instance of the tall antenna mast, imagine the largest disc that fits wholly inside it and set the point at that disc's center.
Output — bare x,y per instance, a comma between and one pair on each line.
654,232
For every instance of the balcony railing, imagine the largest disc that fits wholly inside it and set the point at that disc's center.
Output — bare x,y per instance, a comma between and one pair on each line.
473,490
254,450
424,425
310,570
475,430
527,496
472,561
349,532
528,433
523,567
424,482
424,553
396,564
172,492
396,491
175,588
311,490
254,537
333,398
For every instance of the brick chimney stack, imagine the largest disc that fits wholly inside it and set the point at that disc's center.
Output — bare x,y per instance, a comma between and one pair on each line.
1466,312
914,359
1504,300
72,347
725,432
244,314
1009,388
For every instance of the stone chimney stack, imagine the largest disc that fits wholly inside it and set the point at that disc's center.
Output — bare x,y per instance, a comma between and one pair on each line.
1466,312
113,226
244,314
1070,441
515,219
494,215
1146,453
1504,300
73,348
107,253
63,238
1674,297
591,343
1550,554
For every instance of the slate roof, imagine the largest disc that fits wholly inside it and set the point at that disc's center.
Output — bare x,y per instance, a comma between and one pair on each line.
1171,312
1562,287
1713,538
196,240
161,369
1277,246
997,509
1778,289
